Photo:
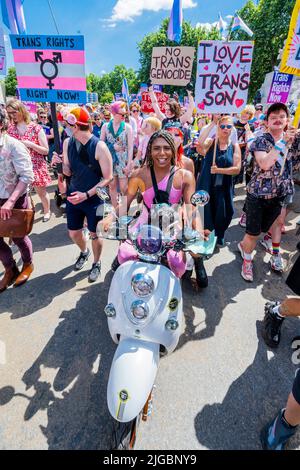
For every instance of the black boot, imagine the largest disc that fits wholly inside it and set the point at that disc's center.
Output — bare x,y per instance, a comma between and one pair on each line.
201,275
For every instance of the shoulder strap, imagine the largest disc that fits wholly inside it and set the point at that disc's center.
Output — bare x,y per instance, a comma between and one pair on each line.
154,182
170,180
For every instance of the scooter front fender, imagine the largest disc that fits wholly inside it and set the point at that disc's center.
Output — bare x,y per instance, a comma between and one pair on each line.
131,377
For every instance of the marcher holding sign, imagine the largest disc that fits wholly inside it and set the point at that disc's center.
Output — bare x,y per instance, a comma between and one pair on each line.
223,76
221,163
172,65
173,110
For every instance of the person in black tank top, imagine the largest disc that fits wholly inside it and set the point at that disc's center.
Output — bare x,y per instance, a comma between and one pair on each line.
87,163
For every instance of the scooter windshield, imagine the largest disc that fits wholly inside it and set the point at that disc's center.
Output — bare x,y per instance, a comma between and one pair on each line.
149,240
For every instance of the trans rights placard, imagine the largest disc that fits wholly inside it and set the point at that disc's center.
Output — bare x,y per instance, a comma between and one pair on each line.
50,68
223,75
172,65
280,88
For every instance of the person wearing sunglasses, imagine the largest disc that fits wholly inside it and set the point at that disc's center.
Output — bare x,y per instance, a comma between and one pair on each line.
118,136
135,112
222,161
97,124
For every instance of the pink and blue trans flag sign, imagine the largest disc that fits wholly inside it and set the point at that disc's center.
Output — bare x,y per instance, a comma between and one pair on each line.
50,68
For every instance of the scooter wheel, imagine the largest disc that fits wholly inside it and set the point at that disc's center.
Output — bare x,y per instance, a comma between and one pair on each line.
124,435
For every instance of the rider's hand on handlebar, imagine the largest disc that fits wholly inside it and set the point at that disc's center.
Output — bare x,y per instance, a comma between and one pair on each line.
206,233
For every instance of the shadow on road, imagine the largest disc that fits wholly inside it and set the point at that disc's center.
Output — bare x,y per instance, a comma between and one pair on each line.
79,355
251,401
39,291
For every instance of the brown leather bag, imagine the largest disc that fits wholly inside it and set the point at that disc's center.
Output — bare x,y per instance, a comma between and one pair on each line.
19,224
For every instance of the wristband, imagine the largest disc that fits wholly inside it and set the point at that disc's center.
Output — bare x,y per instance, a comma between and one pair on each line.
87,195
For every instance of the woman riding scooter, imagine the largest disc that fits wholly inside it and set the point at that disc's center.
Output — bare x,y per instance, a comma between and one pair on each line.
173,185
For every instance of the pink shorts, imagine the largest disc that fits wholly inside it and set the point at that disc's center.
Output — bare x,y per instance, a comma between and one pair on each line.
176,262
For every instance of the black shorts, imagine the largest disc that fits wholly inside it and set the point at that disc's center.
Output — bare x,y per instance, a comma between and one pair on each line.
77,213
293,279
296,387
261,213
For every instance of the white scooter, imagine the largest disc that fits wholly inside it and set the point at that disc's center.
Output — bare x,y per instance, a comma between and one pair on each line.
144,313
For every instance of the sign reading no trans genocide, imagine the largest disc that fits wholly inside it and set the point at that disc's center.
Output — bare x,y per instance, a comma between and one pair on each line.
172,65
50,68
223,75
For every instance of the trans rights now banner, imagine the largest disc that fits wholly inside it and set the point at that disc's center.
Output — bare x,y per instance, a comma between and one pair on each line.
280,88
50,68
223,75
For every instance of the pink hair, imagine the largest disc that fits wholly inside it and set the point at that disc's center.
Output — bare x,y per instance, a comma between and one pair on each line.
117,106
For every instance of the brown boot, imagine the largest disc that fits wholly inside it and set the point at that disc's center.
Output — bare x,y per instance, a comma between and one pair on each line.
9,277
24,274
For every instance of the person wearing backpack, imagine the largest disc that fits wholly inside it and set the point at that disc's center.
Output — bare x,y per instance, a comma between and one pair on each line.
87,163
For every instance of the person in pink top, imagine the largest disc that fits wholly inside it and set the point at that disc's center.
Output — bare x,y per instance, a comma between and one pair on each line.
34,138
160,159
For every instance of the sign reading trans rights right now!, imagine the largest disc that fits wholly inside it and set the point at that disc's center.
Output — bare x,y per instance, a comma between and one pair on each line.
50,68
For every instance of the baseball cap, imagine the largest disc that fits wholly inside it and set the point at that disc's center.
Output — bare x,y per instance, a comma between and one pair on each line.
78,116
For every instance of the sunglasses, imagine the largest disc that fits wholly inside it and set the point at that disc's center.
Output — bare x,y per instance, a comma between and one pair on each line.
135,110
123,115
226,126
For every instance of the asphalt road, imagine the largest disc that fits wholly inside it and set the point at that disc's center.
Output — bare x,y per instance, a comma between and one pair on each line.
214,392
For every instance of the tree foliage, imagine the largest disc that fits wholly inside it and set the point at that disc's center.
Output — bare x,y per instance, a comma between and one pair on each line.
111,83
269,20
10,82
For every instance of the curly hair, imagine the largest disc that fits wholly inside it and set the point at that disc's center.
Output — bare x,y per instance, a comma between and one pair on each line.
168,138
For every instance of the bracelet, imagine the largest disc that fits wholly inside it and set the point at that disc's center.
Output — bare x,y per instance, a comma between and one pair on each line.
87,195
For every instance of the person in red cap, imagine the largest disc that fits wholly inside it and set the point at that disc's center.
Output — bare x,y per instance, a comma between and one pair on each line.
88,163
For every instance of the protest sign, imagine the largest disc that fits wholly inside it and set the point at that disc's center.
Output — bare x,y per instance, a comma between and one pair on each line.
223,76
2,54
31,106
146,105
172,65
291,55
280,88
50,68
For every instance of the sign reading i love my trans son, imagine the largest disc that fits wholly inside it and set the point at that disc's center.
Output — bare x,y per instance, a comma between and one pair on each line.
50,68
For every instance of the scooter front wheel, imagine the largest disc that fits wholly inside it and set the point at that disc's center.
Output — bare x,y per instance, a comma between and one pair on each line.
124,434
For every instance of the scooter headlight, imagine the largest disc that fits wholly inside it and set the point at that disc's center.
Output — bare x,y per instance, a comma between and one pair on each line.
139,310
142,285
110,311
172,324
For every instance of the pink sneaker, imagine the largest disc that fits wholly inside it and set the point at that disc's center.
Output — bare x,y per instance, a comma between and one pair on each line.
247,270
242,221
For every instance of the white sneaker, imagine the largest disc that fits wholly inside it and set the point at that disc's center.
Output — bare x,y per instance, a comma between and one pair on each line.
276,263
242,251
247,270
267,244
